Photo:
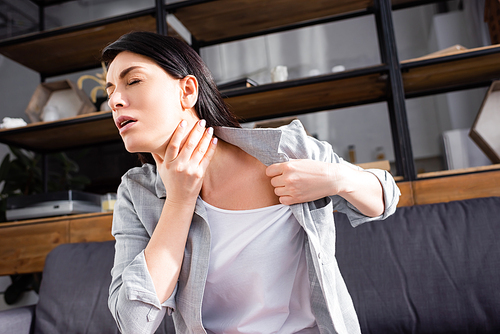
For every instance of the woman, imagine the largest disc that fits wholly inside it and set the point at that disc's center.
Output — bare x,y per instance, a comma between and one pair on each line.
215,232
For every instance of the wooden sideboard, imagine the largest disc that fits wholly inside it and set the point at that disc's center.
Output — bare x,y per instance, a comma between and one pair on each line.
25,244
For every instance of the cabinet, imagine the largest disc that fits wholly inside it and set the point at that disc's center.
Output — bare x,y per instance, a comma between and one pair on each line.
25,244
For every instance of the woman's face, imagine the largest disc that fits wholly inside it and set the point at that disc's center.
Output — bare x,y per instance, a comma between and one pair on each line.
147,103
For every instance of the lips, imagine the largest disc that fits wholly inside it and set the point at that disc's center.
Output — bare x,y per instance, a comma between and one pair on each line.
124,122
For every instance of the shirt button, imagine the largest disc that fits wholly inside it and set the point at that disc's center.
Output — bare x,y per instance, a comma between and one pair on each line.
319,256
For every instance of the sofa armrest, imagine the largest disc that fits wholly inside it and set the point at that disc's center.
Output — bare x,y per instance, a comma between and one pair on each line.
17,320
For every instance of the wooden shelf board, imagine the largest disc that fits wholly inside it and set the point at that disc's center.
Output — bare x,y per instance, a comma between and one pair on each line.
266,101
25,222
449,186
79,131
263,102
458,171
464,67
457,187
228,19
222,19
74,48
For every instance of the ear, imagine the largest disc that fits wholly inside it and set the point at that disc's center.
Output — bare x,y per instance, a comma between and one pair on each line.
189,91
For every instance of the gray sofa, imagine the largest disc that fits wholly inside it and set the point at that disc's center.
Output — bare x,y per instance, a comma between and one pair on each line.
427,269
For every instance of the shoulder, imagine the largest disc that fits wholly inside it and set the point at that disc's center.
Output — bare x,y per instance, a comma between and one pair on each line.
143,177
297,144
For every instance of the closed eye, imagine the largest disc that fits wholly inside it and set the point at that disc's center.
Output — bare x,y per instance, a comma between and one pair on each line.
134,82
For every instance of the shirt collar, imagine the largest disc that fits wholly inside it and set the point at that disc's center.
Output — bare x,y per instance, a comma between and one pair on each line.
261,143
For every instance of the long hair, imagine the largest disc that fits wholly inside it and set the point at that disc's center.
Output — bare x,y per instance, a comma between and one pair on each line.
179,60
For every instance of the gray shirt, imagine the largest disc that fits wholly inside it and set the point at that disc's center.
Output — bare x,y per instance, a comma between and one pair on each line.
133,300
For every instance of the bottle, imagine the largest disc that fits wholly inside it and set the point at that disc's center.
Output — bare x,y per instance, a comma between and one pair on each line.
379,153
352,153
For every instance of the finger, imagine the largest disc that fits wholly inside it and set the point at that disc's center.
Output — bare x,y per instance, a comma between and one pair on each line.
281,191
174,145
278,181
210,153
287,200
192,141
274,170
203,146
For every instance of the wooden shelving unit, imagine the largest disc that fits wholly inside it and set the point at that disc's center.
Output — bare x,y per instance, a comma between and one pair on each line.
214,21
210,22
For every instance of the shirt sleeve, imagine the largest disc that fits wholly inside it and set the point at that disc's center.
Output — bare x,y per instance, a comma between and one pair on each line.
132,297
391,198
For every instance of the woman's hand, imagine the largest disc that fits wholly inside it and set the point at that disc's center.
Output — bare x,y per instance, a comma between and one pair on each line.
299,181
183,166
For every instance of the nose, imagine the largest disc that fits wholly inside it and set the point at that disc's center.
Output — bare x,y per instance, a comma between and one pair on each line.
116,101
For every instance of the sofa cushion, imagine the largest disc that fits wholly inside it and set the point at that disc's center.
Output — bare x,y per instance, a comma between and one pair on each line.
74,291
426,269
17,320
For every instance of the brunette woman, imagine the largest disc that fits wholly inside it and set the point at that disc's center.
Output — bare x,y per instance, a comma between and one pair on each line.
230,230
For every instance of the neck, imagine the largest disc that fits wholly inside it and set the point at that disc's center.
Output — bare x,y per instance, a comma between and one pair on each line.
224,157
226,160
192,121
236,180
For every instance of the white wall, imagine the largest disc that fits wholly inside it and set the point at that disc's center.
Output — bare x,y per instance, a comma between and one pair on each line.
17,84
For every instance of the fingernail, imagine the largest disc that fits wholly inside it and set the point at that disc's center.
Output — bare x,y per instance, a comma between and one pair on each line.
202,123
214,141
183,123
210,131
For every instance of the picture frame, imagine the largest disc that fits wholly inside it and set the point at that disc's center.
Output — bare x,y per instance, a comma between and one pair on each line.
485,131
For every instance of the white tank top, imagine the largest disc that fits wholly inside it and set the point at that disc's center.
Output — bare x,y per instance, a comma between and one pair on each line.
257,278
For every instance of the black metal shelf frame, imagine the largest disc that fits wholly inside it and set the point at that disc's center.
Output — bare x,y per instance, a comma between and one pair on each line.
403,152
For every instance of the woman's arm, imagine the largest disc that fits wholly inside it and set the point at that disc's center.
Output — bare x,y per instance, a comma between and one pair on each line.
182,169
305,180
147,262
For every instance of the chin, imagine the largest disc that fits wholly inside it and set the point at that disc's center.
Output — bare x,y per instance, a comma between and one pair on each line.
132,147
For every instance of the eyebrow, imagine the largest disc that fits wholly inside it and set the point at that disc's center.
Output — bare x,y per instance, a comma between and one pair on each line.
122,74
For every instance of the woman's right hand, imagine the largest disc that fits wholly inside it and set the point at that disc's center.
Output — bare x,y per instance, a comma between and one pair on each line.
183,166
